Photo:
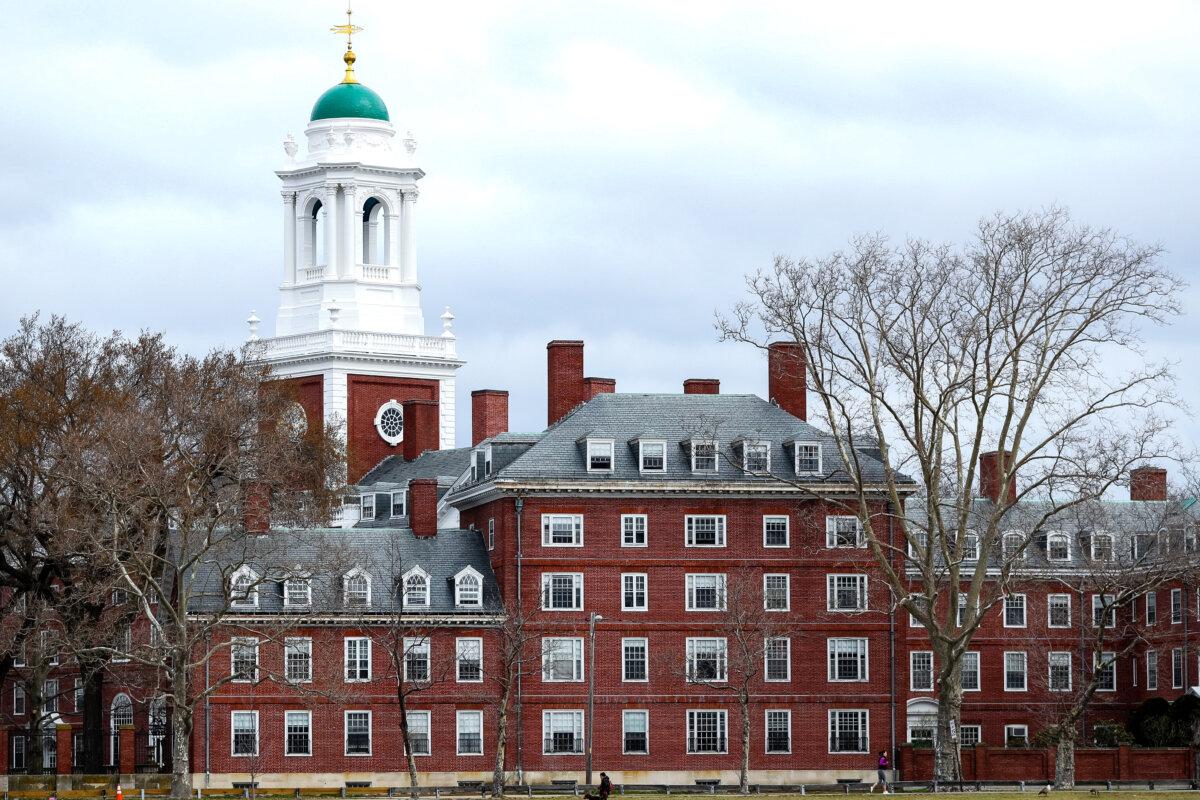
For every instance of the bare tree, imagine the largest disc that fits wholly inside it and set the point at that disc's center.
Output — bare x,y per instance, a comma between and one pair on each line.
1026,341
516,639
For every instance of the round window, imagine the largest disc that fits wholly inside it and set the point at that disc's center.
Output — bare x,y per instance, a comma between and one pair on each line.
389,421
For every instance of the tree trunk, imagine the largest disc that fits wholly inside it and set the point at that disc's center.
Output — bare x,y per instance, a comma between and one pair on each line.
744,777
501,737
181,738
409,757
93,715
947,763
1064,761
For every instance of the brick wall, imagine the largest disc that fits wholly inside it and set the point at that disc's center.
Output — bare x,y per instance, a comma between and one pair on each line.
365,448
1037,765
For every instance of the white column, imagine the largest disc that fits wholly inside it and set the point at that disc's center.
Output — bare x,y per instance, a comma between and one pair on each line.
408,259
331,232
289,237
393,234
351,239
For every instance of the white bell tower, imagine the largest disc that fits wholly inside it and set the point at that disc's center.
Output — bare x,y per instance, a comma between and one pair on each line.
350,301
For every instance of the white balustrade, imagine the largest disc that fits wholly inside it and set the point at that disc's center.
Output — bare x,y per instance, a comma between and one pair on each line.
364,342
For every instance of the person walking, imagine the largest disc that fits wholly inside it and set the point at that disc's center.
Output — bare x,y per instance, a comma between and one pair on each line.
604,790
883,767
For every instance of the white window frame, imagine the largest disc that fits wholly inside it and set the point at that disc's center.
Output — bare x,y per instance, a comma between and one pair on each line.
491,533
831,589
864,722
357,572
577,722
693,445
912,670
1050,600
787,713
460,577
428,717
971,545
978,670
574,651
1050,659
645,645
787,529
287,715
1098,661
1024,670
862,658
1024,610
288,644
599,446
1151,670
297,582
787,591
722,587
20,707
642,468
576,579
1152,603
756,444
236,643
1177,667
365,500
1013,553
625,712
636,577
402,497
692,652
1010,729
251,596
1104,600
458,731
420,646
1176,606
233,730
690,730
629,524
576,522
787,659
1112,546
487,461
414,573
720,529
346,732
962,730
359,647
831,535
796,458
1060,538
460,646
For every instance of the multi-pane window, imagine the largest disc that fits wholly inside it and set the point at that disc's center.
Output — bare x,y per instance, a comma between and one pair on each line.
844,531
704,530
653,456
468,655
487,461
1104,611
756,457
707,731
297,592
243,589
562,530
1058,547
846,592
847,659
961,617
1176,606
776,592
562,732
562,591
704,456
243,653
635,732
775,531
968,670
416,589
920,671
970,735
778,655
1016,735
707,659
633,530
78,695
1152,670
635,657
358,733
848,732
1059,665
297,733
357,589
244,733
468,588
562,659
808,458
970,546
1014,611
416,659
779,730
491,533
297,660
470,733
358,659
1015,664
17,744
367,502
418,732
18,700
1102,547
705,592
50,696
600,455
1058,610
1151,607
1176,668
633,591
1106,672
398,509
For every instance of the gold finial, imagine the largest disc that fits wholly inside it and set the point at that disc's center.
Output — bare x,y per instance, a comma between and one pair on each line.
348,30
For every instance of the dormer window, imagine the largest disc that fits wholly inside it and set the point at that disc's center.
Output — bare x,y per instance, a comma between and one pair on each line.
808,458
1102,547
487,461
416,588
704,455
652,456
1012,542
756,457
1058,547
398,504
368,506
243,588
297,591
468,588
599,455
356,589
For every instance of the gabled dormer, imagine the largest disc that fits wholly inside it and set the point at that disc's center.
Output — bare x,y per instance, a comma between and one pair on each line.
599,452
650,451
753,454
702,454
807,456
468,588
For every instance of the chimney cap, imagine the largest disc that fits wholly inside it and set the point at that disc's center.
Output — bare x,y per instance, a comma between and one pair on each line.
564,343
477,392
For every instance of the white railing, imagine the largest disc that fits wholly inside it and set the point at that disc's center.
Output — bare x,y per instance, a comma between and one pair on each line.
368,272
377,272
362,342
312,273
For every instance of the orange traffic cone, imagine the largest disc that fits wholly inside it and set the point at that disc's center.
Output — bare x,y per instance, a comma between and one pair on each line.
120,794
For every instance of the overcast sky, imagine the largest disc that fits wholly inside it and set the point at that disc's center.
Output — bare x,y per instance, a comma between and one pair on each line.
604,171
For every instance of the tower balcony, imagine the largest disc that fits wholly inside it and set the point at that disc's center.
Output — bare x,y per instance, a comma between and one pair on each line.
381,273
335,341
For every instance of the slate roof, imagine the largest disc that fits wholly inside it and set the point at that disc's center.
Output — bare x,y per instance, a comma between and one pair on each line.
328,554
559,453
430,464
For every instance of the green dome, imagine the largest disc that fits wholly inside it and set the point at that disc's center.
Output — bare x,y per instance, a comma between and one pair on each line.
349,100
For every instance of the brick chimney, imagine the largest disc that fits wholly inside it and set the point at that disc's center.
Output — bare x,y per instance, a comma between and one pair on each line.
420,427
564,378
595,386
702,386
489,414
787,382
256,511
991,474
422,506
1147,483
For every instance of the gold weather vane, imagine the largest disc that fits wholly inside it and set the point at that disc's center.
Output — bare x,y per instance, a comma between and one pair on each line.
348,30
